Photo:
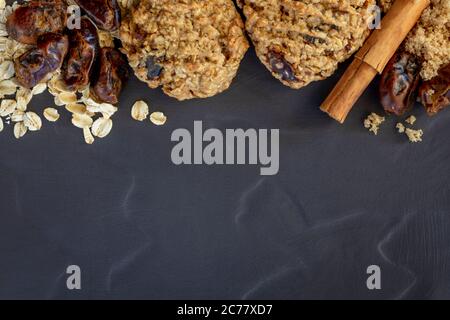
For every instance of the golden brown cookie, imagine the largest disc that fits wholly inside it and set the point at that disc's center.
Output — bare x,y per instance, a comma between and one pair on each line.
301,41
191,48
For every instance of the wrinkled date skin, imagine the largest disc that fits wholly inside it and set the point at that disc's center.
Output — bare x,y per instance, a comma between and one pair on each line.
399,82
36,18
280,66
435,93
104,13
35,65
84,47
111,76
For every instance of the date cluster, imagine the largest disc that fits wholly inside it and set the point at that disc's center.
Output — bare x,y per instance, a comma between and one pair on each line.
77,52
401,86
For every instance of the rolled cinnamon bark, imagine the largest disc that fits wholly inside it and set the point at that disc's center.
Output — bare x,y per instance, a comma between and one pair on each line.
373,57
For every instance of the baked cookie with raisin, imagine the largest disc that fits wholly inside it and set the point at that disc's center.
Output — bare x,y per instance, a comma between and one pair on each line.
191,48
301,41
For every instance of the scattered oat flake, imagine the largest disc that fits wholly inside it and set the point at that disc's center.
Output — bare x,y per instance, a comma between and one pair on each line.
1,125
7,107
23,98
6,70
88,137
40,88
67,98
102,127
51,114
7,87
140,111
76,108
20,130
401,128
158,118
107,110
414,135
373,122
411,120
17,116
32,121
81,121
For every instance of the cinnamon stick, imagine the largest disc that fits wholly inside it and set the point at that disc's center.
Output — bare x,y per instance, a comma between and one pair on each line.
373,57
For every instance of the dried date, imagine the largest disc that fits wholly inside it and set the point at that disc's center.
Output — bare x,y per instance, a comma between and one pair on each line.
399,82
36,18
280,66
35,65
104,13
435,93
84,47
154,69
111,76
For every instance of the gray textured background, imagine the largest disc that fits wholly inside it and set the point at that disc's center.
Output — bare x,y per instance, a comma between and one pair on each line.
140,227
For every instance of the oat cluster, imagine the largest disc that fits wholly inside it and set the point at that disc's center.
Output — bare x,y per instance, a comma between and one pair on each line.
191,48
301,41
430,39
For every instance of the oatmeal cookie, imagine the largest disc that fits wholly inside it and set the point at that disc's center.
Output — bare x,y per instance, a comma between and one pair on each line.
430,39
191,48
301,41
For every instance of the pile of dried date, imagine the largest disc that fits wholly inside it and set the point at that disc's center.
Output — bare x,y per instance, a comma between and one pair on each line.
401,86
79,66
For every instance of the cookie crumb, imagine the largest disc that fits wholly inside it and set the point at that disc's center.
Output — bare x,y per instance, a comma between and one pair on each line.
373,122
411,120
401,128
414,135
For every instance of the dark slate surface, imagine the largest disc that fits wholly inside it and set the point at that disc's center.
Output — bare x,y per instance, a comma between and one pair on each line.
141,227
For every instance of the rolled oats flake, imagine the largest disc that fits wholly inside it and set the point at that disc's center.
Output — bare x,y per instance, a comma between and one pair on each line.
3,32
7,107
102,127
20,130
32,121
140,111
81,121
6,70
88,137
107,110
158,118
17,116
7,87
1,125
24,93
76,108
67,98
40,88
51,114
